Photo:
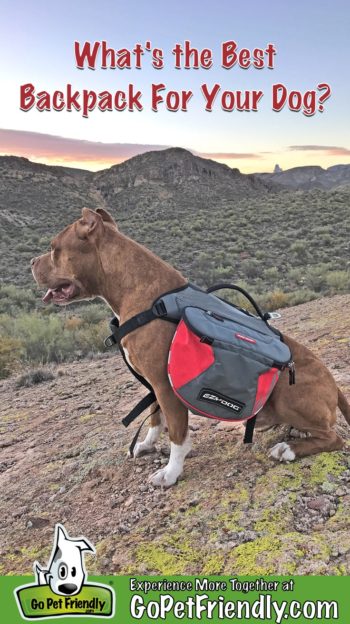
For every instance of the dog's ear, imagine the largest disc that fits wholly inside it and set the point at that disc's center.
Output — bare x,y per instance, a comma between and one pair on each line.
106,217
61,535
84,544
40,573
89,223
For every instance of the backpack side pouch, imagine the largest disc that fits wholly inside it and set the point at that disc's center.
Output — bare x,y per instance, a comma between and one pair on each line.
225,368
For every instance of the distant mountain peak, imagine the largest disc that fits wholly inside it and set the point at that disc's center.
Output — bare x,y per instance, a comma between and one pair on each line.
180,168
309,177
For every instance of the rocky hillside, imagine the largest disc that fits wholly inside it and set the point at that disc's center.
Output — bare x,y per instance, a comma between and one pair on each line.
211,221
174,174
63,459
307,178
37,200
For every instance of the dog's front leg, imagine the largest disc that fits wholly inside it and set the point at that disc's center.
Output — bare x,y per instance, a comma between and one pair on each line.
153,434
176,416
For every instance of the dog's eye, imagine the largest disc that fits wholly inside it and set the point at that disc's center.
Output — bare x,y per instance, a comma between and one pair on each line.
74,571
62,571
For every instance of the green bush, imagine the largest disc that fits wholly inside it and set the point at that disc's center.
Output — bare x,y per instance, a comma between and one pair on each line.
315,278
10,355
251,267
302,295
300,249
53,338
13,298
271,274
339,281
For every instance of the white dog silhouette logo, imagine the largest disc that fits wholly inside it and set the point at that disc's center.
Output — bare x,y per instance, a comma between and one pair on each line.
66,571
61,588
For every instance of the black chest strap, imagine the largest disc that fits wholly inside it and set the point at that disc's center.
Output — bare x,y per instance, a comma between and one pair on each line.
157,311
147,400
249,430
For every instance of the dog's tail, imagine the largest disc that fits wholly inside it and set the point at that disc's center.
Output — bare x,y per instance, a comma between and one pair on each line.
344,406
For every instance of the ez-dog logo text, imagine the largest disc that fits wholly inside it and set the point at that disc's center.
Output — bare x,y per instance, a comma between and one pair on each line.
60,589
215,397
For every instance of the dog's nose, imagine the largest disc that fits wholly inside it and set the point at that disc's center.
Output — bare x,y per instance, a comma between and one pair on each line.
33,261
67,588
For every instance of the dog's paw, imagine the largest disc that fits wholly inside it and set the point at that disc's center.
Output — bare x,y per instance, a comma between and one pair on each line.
163,478
282,452
143,449
140,450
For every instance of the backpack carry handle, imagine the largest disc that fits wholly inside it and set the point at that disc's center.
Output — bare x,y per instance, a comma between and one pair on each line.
223,285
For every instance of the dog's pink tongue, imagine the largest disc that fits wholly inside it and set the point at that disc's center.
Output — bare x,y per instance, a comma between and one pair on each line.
48,296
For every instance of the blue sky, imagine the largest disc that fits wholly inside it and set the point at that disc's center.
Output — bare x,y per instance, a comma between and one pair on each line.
312,42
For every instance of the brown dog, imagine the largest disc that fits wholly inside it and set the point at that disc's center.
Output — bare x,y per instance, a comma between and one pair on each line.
91,258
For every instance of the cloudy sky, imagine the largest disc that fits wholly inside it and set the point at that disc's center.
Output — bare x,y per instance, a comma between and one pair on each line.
311,39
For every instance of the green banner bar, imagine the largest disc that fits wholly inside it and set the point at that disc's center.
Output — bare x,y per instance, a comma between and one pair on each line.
39,602
181,599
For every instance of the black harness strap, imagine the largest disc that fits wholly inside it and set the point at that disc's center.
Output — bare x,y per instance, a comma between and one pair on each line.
147,400
135,438
139,408
114,339
138,321
249,430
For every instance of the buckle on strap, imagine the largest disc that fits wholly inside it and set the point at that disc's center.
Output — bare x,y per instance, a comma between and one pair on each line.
160,308
110,341
274,315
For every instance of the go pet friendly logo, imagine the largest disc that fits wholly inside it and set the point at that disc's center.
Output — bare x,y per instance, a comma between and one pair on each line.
60,589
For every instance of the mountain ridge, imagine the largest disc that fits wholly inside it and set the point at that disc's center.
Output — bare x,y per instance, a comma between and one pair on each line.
303,177
210,221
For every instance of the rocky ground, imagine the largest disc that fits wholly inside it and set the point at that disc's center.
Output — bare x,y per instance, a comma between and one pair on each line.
63,459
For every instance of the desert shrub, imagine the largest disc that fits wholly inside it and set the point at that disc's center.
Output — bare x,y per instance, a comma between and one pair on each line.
202,259
44,242
94,313
27,247
272,273
260,254
34,377
315,278
302,296
251,267
338,280
275,238
221,274
89,338
276,299
300,249
13,299
296,275
72,323
40,336
46,338
10,354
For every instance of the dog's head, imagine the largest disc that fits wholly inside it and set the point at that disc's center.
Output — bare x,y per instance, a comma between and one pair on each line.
66,572
72,270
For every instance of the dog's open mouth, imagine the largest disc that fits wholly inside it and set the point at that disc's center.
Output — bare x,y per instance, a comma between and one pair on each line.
61,294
